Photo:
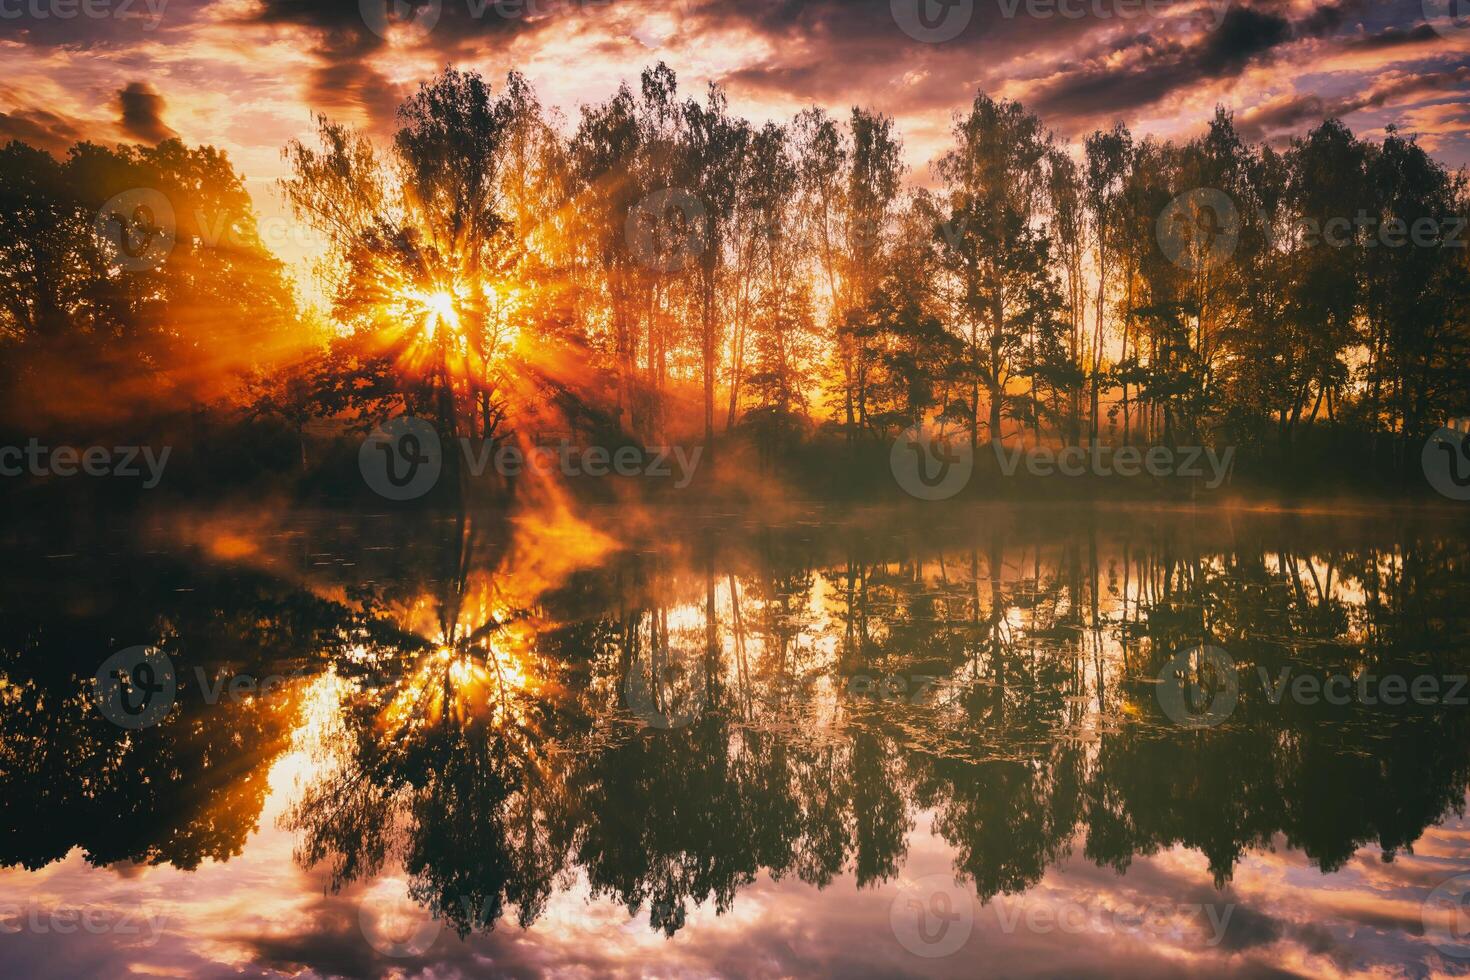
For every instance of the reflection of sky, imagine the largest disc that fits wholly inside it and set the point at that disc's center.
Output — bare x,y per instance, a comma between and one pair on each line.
260,914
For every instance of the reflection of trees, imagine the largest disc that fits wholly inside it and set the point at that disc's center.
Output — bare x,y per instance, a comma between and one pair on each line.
1036,731
187,789
492,748
1328,777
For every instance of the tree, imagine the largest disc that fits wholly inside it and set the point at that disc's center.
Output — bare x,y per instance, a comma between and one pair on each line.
1108,160
1004,293
180,328
774,293
418,250
1069,229
710,164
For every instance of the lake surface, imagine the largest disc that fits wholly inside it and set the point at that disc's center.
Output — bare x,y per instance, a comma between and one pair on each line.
1008,741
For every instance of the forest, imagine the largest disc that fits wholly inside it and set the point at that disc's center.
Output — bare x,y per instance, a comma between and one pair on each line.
662,270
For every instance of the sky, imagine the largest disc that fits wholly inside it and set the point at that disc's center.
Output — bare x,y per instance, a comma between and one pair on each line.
249,75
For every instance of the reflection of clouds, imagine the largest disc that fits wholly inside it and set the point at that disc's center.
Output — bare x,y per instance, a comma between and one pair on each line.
261,915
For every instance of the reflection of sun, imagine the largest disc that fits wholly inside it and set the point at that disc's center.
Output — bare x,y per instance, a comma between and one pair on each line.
479,680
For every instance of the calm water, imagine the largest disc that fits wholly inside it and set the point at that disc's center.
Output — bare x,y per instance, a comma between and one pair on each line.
930,743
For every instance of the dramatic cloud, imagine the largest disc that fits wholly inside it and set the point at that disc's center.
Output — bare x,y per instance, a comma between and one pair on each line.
140,111
1145,71
1394,37
40,128
1297,111
248,75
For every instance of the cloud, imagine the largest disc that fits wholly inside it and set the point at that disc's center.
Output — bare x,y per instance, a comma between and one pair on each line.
45,130
348,52
1145,71
1295,111
1243,34
358,87
140,113
1394,37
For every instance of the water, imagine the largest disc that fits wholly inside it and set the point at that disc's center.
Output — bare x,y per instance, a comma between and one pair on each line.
930,742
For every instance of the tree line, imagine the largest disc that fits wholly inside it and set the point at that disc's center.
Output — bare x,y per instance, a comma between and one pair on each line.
664,268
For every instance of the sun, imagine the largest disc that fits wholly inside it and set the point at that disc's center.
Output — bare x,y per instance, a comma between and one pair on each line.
472,323
435,309
441,305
